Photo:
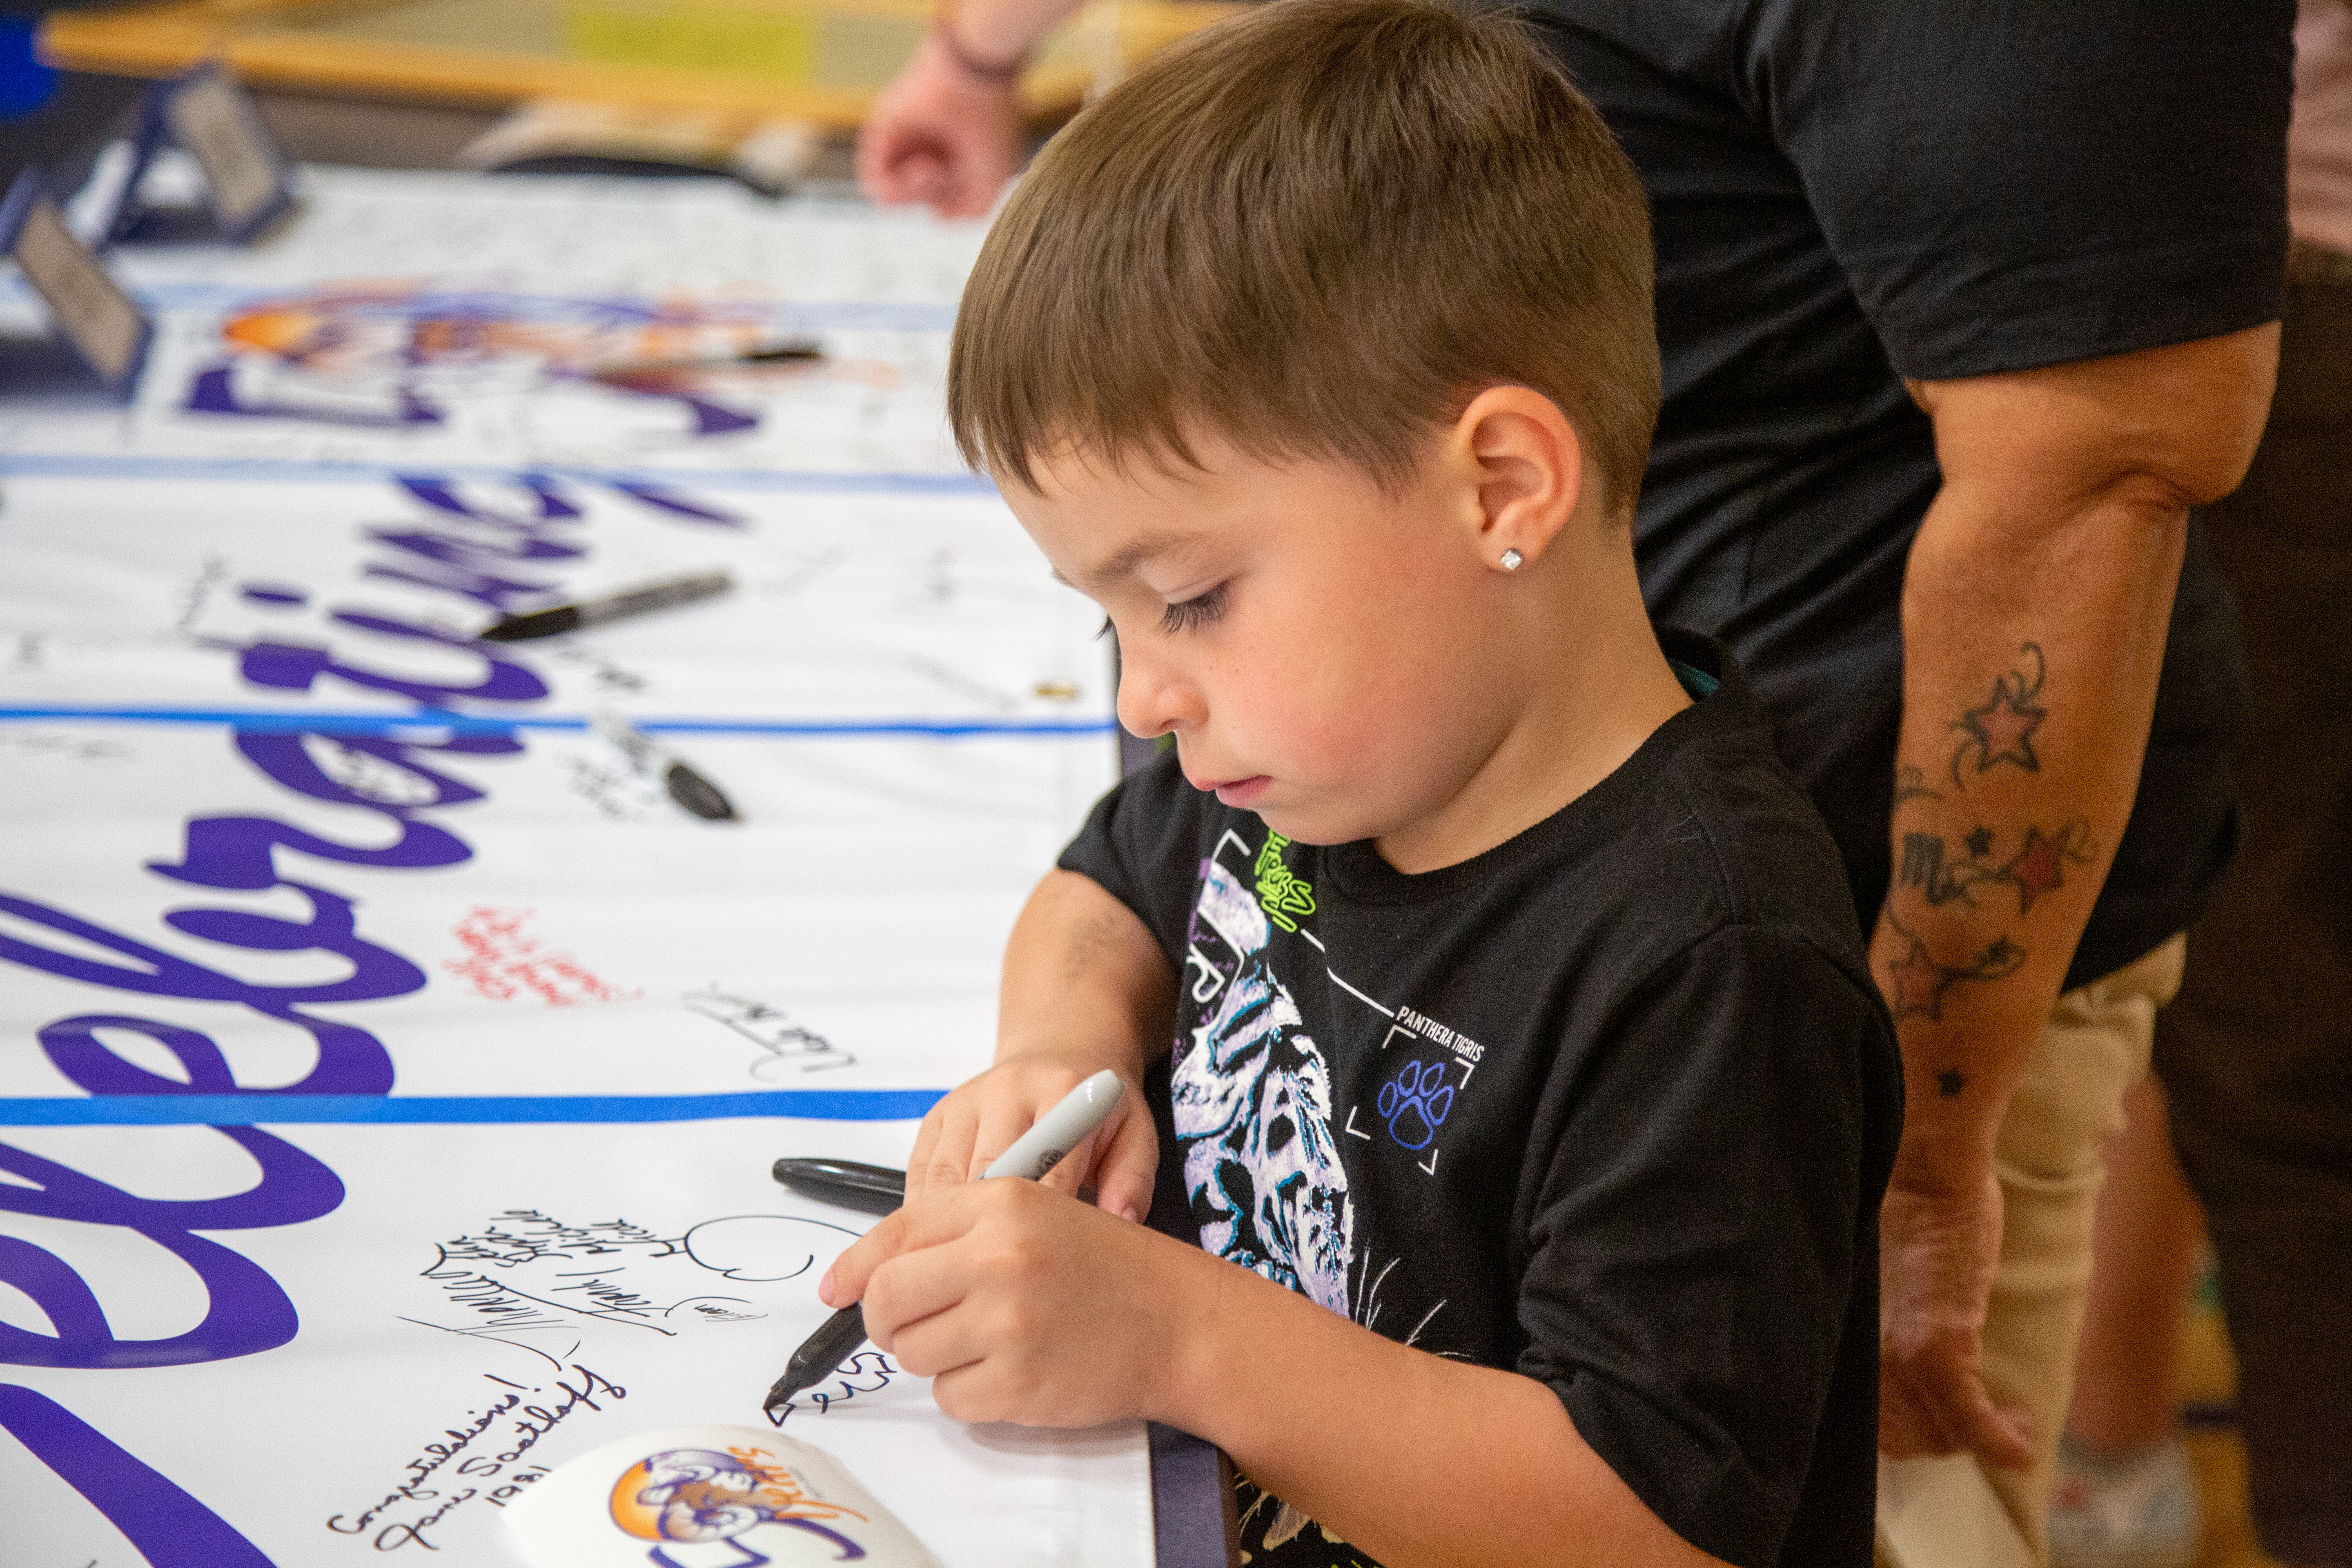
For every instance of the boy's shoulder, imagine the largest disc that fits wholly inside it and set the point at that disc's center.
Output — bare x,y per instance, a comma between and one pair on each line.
1701,836
1714,831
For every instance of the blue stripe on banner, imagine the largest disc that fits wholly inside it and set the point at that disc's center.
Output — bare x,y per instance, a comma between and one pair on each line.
120,465
417,725
273,1109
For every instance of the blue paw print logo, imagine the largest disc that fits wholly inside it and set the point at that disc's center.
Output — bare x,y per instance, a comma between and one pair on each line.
1415,1103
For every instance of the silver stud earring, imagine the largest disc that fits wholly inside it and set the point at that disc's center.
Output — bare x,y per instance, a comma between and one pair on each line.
1512,560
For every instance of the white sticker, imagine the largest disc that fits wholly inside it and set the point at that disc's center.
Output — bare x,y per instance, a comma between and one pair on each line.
667,1499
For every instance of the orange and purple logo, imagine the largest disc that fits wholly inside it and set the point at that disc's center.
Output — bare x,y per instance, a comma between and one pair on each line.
706,1494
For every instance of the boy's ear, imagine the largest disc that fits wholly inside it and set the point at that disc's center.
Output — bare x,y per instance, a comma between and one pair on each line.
1516,451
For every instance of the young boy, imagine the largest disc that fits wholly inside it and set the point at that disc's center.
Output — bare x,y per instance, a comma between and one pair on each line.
1506,1079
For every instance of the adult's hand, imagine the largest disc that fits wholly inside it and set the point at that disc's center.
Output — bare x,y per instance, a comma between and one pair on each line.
1938,1251
941,134
2036,606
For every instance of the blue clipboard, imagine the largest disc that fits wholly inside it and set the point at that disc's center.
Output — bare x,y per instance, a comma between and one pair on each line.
88,309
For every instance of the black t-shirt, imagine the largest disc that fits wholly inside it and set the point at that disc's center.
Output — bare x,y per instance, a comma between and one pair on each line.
1611,1104
1845,195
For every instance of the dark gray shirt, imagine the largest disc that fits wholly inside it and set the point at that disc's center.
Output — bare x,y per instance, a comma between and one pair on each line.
1845,195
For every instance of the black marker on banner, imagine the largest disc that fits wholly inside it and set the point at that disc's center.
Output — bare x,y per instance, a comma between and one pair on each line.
1036,1151
786,351
660,595
686,786
102,325
871,1189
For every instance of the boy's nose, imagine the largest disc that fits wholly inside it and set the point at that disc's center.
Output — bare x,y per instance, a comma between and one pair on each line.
1152,701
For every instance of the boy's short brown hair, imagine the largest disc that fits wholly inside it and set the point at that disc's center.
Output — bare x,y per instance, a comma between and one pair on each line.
1316,230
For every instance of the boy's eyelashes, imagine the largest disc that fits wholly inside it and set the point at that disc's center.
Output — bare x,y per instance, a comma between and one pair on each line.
1199,610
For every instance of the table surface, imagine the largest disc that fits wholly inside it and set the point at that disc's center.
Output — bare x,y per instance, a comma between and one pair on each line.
389,1043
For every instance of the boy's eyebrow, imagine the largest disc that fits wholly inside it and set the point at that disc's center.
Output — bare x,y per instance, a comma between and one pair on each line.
1095,579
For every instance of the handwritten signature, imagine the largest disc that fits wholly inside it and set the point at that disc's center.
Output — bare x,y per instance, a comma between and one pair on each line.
524,1424
526,1272
868,1371
788,1045
503,960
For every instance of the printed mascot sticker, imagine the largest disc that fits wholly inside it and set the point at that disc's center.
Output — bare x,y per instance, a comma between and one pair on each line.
709,1497
703,1495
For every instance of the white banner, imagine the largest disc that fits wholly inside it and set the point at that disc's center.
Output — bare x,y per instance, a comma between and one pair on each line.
394,1069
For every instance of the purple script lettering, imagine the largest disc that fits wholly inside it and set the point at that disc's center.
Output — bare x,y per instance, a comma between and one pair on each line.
166,1525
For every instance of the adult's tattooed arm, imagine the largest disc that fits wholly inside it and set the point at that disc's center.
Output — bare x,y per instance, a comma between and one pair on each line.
2034,610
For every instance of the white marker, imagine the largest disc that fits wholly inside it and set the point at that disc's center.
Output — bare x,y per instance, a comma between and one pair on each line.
1059,1131
1033,1153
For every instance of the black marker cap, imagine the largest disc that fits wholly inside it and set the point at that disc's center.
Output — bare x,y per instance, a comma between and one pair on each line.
539,624
870,1189
697,793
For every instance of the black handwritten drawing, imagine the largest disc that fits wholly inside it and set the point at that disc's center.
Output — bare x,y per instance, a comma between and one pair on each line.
787,1047
58,743
526,1275
994,696
762,1248
609,677
362,770
197,595
868,1371
618,792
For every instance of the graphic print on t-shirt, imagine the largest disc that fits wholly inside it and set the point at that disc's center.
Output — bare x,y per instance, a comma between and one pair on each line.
1252,1095
1255,1091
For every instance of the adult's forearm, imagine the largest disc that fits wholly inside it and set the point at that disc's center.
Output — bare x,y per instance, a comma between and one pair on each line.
1084,975
2032,653
2035,607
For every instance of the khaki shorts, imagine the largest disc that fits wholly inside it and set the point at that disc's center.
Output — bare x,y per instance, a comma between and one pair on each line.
2094,1046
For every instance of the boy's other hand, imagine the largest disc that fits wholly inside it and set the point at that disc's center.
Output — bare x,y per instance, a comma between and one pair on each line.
1938,1249
966,1132
939,135
1022,1305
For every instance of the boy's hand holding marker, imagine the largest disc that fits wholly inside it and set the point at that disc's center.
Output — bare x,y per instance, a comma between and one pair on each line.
969,1129
1024,1304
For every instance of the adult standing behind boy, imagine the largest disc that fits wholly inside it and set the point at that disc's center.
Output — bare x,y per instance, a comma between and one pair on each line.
1962,309
1524,1097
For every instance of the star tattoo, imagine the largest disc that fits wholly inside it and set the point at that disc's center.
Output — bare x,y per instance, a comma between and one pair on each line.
1919,982
1979,843
1950,1081
2002,730
2040,866
1999,957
